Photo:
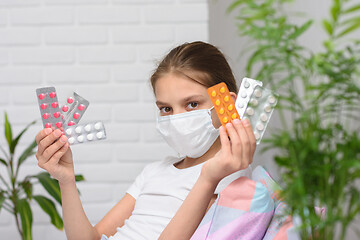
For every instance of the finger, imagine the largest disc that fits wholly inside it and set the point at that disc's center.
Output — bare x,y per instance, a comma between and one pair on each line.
250,133
225,142
234,140
48,140
52,149
56,157
245,142
42,134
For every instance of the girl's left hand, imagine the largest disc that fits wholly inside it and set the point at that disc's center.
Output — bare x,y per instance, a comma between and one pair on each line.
236,153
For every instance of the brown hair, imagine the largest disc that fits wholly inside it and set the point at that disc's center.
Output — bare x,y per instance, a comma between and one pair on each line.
202,59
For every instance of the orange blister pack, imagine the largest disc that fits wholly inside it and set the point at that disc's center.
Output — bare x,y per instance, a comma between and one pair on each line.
223,103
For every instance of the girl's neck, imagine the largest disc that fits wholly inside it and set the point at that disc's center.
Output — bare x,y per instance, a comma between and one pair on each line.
189,162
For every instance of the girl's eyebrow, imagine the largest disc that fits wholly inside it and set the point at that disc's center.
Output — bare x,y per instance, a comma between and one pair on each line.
189,98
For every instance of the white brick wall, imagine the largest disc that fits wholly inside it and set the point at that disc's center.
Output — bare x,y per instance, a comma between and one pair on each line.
105,50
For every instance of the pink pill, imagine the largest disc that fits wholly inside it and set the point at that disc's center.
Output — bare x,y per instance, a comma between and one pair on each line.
43,106
57,114
81,107
48,125
45,116
52,94
71,123
62,116
70,100
42,96
55,104
59,124
65,108
76,115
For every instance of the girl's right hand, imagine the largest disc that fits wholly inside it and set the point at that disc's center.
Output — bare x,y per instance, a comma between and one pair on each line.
54,155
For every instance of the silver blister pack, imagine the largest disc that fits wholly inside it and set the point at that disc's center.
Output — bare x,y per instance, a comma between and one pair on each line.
247,88
260,108
89,132
74,109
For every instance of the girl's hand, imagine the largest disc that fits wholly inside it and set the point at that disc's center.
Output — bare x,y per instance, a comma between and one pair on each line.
236,153
54,155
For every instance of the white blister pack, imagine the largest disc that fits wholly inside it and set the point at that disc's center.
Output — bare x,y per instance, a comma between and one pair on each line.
260,108
247,88
89,132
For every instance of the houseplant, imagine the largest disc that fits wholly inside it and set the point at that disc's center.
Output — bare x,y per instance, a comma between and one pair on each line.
318,144
17,194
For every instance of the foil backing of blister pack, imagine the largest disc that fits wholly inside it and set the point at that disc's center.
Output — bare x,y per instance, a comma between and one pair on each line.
247,88
260,108
74,109
89,132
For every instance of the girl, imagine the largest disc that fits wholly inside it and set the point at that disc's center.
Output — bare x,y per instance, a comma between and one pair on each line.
170,197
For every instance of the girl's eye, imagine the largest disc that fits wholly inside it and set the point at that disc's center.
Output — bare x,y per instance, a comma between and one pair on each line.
192,105
165,110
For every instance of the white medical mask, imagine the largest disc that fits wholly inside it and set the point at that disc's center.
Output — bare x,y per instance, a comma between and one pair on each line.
190,134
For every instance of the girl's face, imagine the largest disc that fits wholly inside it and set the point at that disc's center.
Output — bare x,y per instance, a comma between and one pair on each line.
177,93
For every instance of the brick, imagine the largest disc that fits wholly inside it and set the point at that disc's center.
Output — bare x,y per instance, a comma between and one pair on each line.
20,75
42,16
149,133
47,231
3,17
19,3
177,13
127,132
143,151
111,14
23,115
59,55
90,153
5,218
135,112
97,112
120,190
142,1
4,57
15,36
95,212
154,52
132,72
147,93
75,2
92,192
4,95
107,54
189,32
147,34
23,96
76,35
74,74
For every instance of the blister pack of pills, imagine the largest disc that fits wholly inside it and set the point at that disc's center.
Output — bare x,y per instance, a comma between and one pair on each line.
49,108
247,88
223,103
260,108
74,109
89,132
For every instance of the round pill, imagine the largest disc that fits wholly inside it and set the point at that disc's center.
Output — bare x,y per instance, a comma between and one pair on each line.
221,111
234,116
57,114
68,131
222,89
100,135
78,129
76,115
88,128
43,106
241,104
80,138
254,102
250,111
271,99
46,116
267,108
48,125
217,102
213,93
71,123
59,124
226,98
65,108
257,135
71,140
263,117
81,107
260,126
90,137
230,107
258,93
97,125
42,96
246,84
55,104
225,119
243,94
52,94
70,100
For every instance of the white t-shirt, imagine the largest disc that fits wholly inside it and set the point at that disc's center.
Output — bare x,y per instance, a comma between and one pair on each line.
159,190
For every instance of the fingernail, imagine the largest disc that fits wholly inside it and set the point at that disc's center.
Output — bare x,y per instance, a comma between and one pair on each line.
63,139
57,133
246,122
236,121
48,131
228,125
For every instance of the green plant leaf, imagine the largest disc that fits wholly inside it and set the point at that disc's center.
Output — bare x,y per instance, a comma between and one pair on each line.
352,9
49,207
50,184
2,199
25,213
27,187
234,5
8,131
79,178
301,29
16,140
351,28
27,153
3,162
328,27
